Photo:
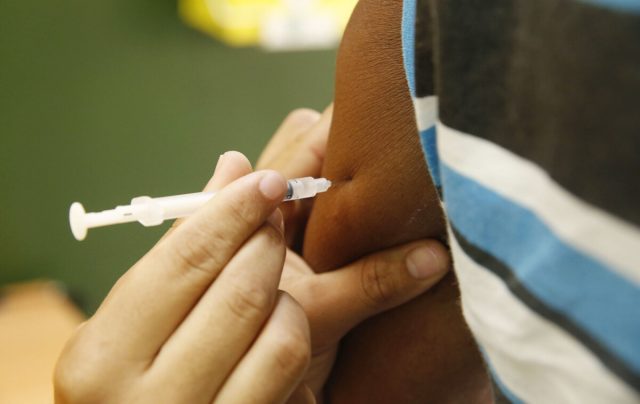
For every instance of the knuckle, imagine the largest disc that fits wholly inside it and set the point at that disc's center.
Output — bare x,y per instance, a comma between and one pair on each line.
73,386
376,282
292,353
196,256
78,376
301,117
241,215
249,301
206,247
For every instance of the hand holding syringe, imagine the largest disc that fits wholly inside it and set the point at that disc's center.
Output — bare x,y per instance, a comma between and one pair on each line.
153,211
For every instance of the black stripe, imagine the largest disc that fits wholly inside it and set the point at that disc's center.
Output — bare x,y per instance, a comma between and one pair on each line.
615,364
555,81
424,50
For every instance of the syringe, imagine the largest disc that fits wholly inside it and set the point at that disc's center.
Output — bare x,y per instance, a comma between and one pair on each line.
153,211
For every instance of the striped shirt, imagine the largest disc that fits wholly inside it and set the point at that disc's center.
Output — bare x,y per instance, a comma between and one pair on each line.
529,117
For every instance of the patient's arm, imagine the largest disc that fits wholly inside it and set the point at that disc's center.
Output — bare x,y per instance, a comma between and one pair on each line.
422,351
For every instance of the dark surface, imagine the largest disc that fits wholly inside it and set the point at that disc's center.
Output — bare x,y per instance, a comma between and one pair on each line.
105,100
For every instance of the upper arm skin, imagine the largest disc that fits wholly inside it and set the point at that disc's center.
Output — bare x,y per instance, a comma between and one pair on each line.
383,196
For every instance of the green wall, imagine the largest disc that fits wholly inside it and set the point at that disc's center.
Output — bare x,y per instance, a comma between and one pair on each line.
104,100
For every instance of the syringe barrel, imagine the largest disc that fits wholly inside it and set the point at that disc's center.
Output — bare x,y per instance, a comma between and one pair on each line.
301,188
177,206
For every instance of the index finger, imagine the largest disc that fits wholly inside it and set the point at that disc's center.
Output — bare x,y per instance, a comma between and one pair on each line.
153,298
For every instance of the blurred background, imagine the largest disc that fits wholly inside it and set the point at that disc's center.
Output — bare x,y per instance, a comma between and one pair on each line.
104,100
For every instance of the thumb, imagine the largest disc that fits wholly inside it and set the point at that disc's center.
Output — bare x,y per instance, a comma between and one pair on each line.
374,284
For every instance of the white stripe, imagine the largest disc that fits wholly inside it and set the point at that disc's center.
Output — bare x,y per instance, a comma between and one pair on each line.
426,111
535,359
589,229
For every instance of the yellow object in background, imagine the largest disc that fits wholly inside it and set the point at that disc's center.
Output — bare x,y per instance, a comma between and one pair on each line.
36,320
273,24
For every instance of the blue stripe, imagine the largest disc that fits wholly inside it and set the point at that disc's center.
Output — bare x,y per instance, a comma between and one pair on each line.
603,304
408,42
627,6
429,148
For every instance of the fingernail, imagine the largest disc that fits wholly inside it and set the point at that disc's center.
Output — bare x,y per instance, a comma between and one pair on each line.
272,186
423,263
